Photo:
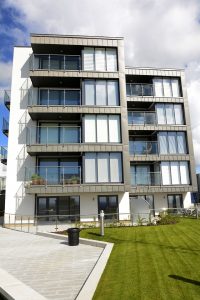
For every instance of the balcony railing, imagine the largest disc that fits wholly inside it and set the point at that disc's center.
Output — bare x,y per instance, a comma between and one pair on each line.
54,97
139,90
48,135
147,179
142,118
53,175
5,127
55,62
4,155
143,148
7,98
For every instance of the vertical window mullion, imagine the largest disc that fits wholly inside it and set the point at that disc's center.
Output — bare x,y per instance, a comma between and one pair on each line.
108,118
96,167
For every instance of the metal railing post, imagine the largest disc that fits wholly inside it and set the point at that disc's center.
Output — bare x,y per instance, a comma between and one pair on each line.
102,223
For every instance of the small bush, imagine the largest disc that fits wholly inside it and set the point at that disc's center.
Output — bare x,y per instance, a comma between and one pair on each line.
167,219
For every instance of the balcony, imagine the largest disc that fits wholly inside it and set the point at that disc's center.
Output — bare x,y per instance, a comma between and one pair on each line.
4,155
142,118
143,148
146,179
5,127
2,184
55,62
139,90
7,99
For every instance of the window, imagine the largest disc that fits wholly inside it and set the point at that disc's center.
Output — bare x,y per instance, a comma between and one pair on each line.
140,175
175,173
103,167
102,129
101,92
166,87
170,114
172,142
59,97
100,59
109,204
175,201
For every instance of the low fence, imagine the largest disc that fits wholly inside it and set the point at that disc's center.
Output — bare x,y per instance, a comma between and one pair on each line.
55,223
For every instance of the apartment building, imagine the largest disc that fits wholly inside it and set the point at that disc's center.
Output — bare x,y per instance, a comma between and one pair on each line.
87,133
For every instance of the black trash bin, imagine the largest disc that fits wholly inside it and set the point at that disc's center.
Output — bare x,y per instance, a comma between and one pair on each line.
73,236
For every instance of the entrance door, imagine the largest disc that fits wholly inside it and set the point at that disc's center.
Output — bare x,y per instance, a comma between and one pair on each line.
141,207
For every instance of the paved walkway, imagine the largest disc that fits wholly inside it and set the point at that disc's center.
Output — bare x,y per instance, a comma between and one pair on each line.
49,266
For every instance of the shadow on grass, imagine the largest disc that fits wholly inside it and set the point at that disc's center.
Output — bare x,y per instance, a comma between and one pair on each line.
195,282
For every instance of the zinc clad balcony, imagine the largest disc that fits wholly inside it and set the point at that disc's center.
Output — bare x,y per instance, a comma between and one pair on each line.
51,139
139,90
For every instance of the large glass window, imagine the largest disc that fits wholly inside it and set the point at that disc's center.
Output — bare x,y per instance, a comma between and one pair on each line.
99,59
170,114
172,142
59,97
166,87
140,175
109,204
175,173
101,92
103,167
102,129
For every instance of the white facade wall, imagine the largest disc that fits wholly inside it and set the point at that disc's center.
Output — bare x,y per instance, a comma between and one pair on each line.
16,200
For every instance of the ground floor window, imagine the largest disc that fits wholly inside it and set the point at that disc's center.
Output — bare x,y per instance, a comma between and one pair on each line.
175,201
61,206
109,204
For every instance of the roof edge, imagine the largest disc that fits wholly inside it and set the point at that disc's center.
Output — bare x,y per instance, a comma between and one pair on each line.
76,36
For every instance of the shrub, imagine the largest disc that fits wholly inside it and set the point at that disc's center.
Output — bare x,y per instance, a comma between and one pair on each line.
167,219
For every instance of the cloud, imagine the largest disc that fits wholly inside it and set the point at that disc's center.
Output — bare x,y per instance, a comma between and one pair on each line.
158,33
5,74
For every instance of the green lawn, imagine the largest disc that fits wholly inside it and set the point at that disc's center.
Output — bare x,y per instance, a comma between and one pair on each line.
151,262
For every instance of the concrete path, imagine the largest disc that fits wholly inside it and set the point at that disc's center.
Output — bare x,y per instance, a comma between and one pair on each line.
49,266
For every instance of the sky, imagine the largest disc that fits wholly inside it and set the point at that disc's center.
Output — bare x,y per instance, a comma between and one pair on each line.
158,33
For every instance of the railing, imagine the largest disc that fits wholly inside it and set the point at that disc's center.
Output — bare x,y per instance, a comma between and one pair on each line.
54,97
4,152
146,179
139,90
7,98
142,118
53,175
52,222
55,62
48,135
143,147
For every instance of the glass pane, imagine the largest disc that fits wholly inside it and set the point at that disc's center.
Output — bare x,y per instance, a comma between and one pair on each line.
88,59
166,178
160,114
178,114
43,98
52,206
169,113
167,87
138,118
103,167
115,167
172,142
163,142
43,61
69,135
54,96
136,90
111,59
179,201
181,142
170,199
90,167
102,202
133,175
158,87
42,206
184,172
90,128
72,63
114,129
102,128
101,95
52,135
72,97
113,93
48,170
89,92
100,63
175,172
175,87
128,89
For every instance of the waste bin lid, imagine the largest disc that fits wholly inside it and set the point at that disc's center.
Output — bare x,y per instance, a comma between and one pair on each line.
74,229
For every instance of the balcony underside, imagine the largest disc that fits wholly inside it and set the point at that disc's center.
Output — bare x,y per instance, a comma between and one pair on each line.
149,157
59,112
78,188
5,131
160,189
4,161
48,78
157,127
7,104
52,149
154,99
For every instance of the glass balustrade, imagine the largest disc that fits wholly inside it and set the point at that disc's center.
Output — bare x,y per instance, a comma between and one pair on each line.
53,175
54,97
4,152
55,62
143,147
139,90
49,135
145,178
141,118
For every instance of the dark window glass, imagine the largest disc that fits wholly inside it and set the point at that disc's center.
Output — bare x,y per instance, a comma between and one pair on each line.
109,204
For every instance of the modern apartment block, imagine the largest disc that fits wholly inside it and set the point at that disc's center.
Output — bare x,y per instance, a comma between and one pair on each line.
87,133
